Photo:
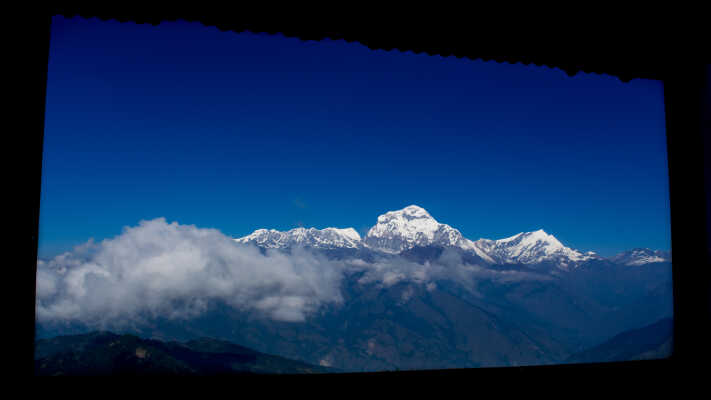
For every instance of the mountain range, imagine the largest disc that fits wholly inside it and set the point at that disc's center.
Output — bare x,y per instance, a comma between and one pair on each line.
401,230
570,300
422,296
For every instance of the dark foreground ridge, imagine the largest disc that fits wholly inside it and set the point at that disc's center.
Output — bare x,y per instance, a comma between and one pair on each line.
106,353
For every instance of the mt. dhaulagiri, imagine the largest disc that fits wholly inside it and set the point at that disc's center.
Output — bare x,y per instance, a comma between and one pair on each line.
412,226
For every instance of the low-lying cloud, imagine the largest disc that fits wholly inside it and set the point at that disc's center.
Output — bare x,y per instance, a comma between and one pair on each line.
174,271
448,266
168,270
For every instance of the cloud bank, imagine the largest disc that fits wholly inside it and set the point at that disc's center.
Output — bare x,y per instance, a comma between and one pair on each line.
174,271
168,270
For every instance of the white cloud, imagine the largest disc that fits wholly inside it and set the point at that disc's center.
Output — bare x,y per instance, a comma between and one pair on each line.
173,271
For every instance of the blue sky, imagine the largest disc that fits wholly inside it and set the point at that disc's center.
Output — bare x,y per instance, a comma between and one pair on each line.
243,131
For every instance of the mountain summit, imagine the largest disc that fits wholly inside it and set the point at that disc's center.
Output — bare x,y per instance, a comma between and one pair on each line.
533,248
412,226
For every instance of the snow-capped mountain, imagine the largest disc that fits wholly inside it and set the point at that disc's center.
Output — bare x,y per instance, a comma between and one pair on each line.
533,248
412,226
636,257
319,238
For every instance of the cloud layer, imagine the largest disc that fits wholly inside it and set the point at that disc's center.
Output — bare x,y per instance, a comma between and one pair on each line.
449,266
168,270
174,271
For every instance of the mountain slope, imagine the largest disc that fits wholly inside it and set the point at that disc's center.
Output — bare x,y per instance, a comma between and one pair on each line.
105,353
404,326
649,342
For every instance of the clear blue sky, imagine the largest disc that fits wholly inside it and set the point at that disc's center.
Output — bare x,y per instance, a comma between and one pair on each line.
244,131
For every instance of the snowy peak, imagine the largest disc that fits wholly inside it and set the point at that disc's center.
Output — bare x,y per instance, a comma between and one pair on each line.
639,256
533,248
311,237
408,213
531,238
411,226
349,233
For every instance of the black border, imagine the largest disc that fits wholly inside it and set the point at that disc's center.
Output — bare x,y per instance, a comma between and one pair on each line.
686,92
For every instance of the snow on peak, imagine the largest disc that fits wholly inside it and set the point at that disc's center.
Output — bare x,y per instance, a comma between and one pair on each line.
532,248
408,213
308,237
409,227
346,232
641,256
